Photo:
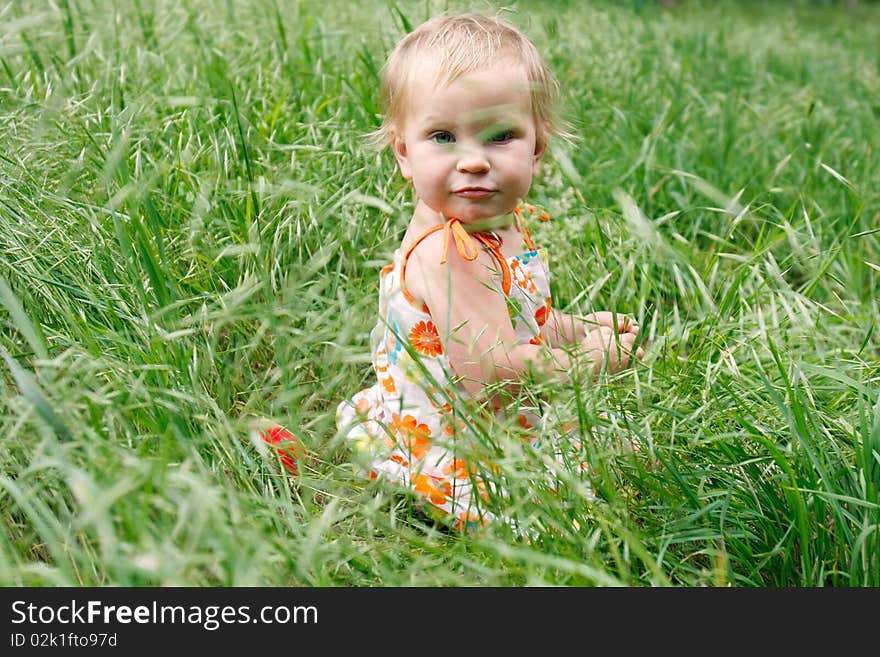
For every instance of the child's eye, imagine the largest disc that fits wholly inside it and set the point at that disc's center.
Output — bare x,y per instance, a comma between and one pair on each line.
441,137
500,136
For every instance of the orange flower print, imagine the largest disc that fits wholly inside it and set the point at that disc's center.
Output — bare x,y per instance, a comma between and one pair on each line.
425,339
456,468
542,312
434,489
416,436
363,406
388,384
521,277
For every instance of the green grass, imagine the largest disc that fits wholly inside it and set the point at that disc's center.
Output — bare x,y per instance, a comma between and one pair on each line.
191,227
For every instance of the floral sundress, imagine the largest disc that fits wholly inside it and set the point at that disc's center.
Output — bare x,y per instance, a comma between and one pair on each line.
402,427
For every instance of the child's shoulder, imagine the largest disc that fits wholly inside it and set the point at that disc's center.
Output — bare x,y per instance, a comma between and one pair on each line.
433,267
422,243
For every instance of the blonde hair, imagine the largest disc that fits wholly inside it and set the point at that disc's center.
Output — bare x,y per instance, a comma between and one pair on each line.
461,44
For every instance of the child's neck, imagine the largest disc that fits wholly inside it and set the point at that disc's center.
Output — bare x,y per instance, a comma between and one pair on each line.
426,217
490,223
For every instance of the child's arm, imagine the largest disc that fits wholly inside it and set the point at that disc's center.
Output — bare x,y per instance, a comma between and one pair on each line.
472,319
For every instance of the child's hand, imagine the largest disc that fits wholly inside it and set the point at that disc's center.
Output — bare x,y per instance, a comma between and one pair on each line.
615,321
608,348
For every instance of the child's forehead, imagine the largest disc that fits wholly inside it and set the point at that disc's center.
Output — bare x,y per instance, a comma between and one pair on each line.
439,69
505,81
498,94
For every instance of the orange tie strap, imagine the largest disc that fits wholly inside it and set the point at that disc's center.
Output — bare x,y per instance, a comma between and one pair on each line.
464,243
521,223
467,246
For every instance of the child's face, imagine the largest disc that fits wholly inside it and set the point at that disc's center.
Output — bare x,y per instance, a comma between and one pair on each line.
470,148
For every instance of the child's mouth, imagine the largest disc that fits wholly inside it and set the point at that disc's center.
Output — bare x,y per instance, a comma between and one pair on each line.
474,192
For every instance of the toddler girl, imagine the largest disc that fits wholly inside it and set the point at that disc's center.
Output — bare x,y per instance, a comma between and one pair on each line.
465,310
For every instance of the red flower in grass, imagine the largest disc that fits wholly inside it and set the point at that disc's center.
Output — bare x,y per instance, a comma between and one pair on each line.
286,445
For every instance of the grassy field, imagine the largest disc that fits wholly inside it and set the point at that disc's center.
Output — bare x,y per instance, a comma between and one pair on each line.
191,228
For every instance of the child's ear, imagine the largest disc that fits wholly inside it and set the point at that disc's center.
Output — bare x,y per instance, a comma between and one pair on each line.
398,145
540,149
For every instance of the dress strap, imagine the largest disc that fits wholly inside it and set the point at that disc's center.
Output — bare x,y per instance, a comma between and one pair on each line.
493,244
463,241
465,244
521,224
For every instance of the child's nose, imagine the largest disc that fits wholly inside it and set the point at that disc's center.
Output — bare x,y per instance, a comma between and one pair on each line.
473,160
